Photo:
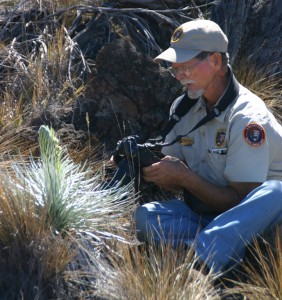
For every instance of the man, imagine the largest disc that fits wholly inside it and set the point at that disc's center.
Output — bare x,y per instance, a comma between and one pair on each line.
230,166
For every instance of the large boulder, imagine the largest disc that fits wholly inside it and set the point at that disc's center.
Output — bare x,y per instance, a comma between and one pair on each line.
128,95
254,29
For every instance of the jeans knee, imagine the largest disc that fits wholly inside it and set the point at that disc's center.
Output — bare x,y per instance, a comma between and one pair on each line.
274,187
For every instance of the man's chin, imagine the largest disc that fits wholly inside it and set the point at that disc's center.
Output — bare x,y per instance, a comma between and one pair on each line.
194,94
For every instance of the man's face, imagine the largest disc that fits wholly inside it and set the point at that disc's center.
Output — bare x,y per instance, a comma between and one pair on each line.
194,75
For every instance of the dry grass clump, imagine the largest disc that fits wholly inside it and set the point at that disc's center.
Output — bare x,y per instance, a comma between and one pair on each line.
262,270
145,271
34,81
261,83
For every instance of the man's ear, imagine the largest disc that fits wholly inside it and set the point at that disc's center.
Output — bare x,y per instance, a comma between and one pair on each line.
216,60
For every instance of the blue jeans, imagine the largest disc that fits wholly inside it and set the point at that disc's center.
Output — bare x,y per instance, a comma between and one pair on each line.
219,240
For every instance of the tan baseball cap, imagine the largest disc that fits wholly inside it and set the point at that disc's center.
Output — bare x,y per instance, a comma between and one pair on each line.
193,37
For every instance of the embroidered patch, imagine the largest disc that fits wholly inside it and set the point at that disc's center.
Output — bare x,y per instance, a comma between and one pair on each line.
220,137
185,141
176,36
254,134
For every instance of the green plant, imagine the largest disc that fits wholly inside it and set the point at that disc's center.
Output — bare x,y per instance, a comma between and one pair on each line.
45,205
31,256
72,194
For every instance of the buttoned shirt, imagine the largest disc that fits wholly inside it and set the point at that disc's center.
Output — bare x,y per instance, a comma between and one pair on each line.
242,144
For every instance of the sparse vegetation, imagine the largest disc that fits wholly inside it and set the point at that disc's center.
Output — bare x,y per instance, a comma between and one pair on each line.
267,87
44,203
157,272
62,236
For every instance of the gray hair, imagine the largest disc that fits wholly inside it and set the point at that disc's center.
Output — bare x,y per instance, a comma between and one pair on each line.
224,56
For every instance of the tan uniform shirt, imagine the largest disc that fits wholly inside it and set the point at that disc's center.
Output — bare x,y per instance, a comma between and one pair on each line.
243,144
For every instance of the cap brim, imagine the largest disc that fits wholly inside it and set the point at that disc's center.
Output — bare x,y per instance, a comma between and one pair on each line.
176,55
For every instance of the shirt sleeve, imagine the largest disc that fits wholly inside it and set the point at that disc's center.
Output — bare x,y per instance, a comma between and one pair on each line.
248,151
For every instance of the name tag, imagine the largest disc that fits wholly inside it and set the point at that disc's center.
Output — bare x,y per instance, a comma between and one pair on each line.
185,141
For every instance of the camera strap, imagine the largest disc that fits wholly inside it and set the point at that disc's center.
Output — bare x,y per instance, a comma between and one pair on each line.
186,104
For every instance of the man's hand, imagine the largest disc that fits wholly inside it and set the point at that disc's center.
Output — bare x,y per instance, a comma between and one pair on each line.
166,172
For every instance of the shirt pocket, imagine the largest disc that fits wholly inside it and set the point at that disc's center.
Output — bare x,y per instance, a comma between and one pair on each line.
217,160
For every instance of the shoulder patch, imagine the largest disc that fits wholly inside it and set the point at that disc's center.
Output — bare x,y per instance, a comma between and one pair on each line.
254,134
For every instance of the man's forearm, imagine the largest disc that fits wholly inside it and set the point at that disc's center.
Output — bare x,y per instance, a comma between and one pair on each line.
220,198
171,173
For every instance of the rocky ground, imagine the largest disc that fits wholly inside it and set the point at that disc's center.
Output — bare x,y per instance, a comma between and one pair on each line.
126,92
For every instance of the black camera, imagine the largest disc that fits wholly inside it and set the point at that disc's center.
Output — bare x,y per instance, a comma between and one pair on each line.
130,156
140,154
